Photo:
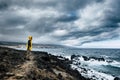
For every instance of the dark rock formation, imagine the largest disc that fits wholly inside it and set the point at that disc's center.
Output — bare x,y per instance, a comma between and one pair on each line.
117,78
14,64
96,58
87,58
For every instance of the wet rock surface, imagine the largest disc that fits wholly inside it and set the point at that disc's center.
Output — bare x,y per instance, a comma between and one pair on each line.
87,58
18,65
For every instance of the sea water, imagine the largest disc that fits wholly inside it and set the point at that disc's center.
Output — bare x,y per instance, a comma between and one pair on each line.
96,70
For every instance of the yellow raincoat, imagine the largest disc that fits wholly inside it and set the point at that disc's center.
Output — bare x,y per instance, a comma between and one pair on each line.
29,43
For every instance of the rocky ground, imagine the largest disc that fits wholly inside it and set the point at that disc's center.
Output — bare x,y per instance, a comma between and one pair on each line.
18,65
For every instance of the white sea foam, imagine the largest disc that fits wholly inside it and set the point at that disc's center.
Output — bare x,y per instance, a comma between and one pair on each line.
86,71
68,57
115,64
93,62
92,74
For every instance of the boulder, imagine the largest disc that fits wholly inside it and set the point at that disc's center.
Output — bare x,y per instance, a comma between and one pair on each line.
74,56
85,58
117,78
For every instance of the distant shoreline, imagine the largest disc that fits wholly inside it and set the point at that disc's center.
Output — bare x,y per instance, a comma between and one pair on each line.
18,44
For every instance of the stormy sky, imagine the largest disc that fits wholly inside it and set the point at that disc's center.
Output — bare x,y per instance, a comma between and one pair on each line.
84,23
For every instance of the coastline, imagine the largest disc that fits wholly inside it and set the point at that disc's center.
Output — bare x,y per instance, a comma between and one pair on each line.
17,65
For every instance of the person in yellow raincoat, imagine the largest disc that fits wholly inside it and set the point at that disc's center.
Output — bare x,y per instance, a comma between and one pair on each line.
29,44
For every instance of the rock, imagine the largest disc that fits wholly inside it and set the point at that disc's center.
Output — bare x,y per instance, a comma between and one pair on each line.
46,78
18,65
73,56
78,75
3,68
85,58
60,76
19,76
99,59
34,79
77,63
117,78
46,58
10,74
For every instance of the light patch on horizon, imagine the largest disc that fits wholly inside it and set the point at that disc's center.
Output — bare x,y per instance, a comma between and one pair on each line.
102,44
72,42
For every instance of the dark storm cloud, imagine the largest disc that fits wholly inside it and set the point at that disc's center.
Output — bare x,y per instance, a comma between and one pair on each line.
3,5
109,25
42,26
74,5
11,20
64,5
68,18
46,17
104,28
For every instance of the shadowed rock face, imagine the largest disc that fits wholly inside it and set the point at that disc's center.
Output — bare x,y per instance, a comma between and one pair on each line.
18,65
117,78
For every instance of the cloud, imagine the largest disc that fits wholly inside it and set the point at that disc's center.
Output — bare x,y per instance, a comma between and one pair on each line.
103,44
67,22
3,5
97,22
59,33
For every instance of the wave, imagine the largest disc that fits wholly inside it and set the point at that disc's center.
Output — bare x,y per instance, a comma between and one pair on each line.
85,66
92,74
95,61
